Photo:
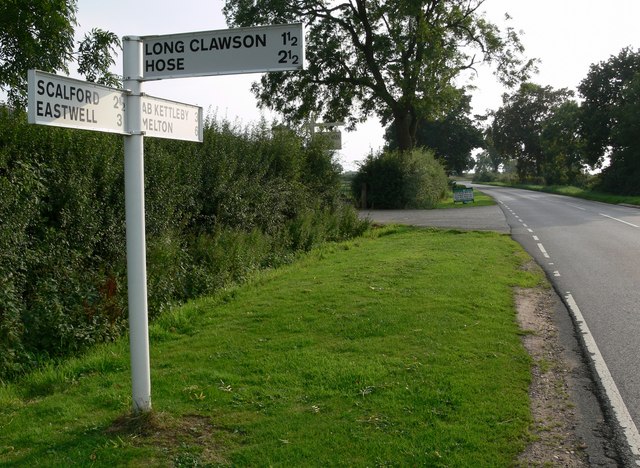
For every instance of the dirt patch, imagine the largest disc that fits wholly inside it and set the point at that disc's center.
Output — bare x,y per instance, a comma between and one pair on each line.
190,440
555,442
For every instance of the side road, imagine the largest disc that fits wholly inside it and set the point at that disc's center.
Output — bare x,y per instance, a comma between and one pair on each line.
482,218
569,418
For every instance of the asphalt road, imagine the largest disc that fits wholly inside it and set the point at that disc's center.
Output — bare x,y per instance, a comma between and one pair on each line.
591,253
482,218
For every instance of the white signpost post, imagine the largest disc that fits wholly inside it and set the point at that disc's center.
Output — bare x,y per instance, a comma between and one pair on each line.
65,102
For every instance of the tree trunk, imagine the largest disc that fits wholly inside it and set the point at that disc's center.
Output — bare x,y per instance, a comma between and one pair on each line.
406,125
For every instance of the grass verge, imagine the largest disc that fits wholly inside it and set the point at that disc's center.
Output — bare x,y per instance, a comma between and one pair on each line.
575,192
399,349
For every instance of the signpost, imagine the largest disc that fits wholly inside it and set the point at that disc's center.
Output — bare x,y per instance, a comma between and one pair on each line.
224,52
61,101
332,138
162,118
65,102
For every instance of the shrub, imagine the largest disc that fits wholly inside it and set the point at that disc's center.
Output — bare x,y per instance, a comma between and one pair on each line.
398,180
244,199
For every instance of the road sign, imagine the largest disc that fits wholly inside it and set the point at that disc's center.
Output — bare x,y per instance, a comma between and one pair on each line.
333,139
229,51
65,102
162,118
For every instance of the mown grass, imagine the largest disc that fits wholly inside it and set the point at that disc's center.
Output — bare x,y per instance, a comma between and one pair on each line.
577,192
397,349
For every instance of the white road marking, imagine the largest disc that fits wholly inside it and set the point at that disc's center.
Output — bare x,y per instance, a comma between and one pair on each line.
544,252
535,238
619,220
530,230
525,225
611,390
556,273
576,206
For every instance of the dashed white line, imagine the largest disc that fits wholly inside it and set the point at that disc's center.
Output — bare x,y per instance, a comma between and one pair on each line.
619,220
544,252
611,390
576,206
530,230
535,238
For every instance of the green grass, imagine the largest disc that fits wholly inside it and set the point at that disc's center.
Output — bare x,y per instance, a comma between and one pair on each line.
397,349
480,199
575,192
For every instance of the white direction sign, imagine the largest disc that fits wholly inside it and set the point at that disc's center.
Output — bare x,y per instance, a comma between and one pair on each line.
65,102
162,118
229,51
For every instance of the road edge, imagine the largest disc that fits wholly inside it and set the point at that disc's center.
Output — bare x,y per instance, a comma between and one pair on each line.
625,431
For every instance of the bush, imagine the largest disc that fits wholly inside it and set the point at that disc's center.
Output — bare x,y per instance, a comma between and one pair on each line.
399,180
244,199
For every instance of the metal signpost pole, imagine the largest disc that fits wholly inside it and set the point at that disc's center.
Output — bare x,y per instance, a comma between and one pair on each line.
136,246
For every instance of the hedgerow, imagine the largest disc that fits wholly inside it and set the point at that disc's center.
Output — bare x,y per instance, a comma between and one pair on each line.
244,199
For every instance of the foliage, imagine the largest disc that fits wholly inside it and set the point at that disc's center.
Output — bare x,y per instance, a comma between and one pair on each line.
609,120
518,126
393,179
243,200
452,138
33,34
398,58
38,34
95,57
396,349
562,146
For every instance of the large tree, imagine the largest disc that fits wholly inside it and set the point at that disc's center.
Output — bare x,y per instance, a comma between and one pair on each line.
451,137
609,120
518,126
39,34
397,59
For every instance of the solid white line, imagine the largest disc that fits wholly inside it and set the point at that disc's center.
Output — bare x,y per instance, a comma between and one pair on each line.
619,220
610,388
544,252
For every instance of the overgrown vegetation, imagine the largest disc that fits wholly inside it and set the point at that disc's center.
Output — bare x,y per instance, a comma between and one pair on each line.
245,199
400,179
395,349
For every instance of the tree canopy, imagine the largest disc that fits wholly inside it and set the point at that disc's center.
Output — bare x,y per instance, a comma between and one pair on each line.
33,34
610,120
397,59
518,126
451,137
39,34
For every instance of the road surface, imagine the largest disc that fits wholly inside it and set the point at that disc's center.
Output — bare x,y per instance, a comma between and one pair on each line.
591,252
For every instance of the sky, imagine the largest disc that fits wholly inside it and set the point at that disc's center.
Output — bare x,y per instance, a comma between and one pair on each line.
567,36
